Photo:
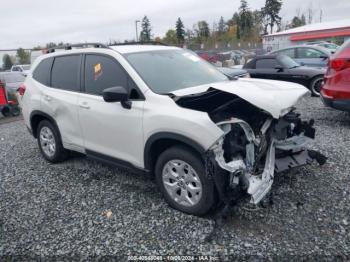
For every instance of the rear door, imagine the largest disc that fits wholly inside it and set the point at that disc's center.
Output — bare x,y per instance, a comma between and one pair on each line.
110,130
60,99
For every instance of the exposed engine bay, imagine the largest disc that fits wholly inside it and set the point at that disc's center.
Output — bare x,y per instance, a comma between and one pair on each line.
255,145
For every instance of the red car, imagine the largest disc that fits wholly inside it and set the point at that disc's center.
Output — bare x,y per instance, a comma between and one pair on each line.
335,91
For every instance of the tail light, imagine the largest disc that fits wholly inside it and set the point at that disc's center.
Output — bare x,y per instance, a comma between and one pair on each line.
339,64
22,89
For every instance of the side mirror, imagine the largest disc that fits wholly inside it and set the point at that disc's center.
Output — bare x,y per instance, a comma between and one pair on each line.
117,94
279,68
324,57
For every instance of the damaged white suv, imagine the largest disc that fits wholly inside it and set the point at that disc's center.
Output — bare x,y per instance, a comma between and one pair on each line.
164,111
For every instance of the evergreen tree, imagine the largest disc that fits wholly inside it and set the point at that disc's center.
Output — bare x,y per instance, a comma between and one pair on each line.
271,13
7,62
221,26
170,37
145,34
180,31
245,19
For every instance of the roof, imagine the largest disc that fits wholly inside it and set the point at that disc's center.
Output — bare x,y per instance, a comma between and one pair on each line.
140,48
315,27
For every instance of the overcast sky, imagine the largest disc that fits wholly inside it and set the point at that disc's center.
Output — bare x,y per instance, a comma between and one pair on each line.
36,22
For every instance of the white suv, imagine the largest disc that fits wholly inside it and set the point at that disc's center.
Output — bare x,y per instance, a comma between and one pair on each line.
165,111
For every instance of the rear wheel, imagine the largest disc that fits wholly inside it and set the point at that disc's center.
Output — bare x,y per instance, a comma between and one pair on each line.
315,85
181,177
50,143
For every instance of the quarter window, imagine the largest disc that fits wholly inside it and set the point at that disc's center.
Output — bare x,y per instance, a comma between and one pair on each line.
65,73
102,72
42,71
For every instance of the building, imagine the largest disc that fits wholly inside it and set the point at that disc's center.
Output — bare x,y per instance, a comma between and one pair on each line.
335,32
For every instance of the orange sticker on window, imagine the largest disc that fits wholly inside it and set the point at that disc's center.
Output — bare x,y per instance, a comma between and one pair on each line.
97,71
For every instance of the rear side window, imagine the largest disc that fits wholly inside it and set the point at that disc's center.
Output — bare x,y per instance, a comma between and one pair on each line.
102,72
42,71
266,63
65,73
288,52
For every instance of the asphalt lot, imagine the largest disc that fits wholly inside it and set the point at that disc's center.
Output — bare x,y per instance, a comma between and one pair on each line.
83,208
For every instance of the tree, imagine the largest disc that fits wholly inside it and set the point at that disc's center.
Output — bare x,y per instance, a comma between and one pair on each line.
221,26
203,29
180,31
271,13
170,37
7,63
245,20
296,22
145,34
23,56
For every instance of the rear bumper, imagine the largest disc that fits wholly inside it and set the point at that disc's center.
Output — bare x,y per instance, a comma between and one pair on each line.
339,104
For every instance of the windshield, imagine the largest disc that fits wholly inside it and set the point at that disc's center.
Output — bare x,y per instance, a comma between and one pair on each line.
26,67
170,70
287,62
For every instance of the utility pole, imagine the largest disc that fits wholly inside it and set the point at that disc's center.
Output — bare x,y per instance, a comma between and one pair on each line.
137,34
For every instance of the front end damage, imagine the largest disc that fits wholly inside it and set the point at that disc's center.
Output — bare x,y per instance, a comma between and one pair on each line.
251,159
259,138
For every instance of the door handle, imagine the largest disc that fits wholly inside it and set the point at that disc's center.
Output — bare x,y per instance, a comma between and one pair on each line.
84,105
47,98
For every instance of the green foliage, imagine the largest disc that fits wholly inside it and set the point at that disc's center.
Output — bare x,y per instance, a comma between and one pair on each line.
170,37
145,34
297,21
180,31
7,63
23,56
245,22
271,14
221,26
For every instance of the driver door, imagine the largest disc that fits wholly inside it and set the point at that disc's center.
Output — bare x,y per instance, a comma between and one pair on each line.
111,132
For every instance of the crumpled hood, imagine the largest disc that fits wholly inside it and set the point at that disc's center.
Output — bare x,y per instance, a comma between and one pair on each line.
275,97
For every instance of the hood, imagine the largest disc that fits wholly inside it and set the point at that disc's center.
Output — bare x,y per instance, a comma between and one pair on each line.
274,97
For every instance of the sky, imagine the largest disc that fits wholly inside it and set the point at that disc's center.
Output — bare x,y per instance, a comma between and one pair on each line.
27,24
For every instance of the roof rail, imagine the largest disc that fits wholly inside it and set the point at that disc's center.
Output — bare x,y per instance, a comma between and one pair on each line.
141,43
82,45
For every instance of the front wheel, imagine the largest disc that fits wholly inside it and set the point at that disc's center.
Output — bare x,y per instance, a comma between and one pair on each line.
315,85
181,177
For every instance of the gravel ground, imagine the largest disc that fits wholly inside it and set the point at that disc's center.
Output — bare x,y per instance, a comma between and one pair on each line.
85,209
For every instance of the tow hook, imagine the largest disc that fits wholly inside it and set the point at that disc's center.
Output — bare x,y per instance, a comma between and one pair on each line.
320,158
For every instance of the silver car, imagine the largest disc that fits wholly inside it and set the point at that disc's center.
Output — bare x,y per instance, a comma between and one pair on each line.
313,56
12,81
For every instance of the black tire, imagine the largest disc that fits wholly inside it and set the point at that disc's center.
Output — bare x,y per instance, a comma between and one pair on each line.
60,154
5,111
207,199
315,85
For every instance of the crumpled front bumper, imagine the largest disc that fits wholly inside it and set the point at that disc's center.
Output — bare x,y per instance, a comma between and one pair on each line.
291,154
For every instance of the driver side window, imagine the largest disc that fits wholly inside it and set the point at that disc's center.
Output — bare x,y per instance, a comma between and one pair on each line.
102,72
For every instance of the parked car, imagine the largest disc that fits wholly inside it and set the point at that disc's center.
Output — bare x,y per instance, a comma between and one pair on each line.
210,56
12,81
164,111
330,46
282,67
233,73
336,89
313,56
24,69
